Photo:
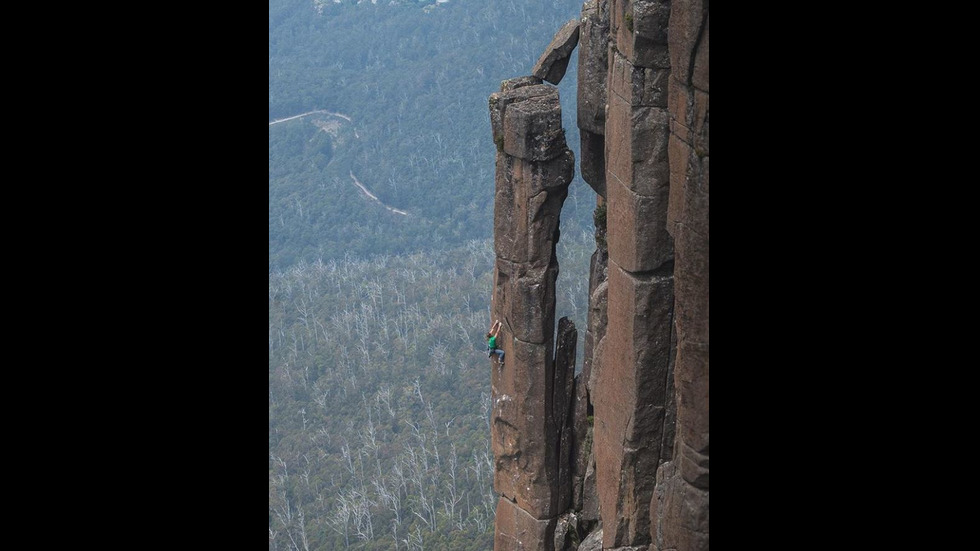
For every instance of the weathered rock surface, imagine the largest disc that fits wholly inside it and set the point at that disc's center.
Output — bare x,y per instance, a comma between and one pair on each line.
593,162
519,91
567,533
597,318
522,431
531,397
630,391
525,120
678,513
553,62
637,170
593,66
590,494
519,82
527,205
591,92
581,443
639,28
647,248
680,520
592,542
563,412
516,530
631,401
620,452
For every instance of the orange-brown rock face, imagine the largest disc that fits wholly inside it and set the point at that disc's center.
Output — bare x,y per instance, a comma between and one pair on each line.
621,450
530,399
591,92
516,530
680,507
632,389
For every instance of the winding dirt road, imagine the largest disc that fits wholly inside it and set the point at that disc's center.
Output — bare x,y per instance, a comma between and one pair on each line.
354,178
372,196
341,115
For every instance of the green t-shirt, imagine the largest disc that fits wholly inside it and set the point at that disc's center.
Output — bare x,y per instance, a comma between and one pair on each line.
492,343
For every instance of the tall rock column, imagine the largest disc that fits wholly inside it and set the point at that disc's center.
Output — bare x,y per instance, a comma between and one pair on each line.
533,170
680,507
633,431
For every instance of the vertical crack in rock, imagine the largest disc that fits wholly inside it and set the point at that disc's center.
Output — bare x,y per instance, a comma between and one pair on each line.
702,32
563,403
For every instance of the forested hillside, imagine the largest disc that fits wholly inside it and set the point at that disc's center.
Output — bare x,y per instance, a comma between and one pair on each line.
379,390
408,83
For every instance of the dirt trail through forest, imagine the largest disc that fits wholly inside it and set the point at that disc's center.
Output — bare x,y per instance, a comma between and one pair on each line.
341,115
372,196
354,178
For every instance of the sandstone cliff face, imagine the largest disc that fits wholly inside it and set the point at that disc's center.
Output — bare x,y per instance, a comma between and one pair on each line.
679,512
616,456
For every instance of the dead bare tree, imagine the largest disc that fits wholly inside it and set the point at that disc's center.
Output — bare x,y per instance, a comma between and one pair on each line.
384,396
485,399
301,526
454,496
338,519
414,540
389,498
272,539
371,442
346,454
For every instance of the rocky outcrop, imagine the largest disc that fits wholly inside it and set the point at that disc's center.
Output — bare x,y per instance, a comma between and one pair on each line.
680,517
553,62
567,535
531,396
564,407
593,542
631,390
591,90
615,457
515,528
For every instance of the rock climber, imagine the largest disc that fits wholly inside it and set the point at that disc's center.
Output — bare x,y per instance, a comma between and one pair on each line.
492,342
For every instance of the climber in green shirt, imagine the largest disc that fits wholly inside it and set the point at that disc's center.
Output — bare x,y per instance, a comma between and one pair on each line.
492,342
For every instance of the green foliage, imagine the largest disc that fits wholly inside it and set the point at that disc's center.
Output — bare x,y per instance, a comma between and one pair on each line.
599,216
378,396
629,22
377,379
599,221
415,87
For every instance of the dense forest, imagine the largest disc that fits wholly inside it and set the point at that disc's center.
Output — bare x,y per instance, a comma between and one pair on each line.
396,96
379,389
381,169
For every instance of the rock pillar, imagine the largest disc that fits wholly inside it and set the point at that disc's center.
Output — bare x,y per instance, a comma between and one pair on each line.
679,510
530,397
633,432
